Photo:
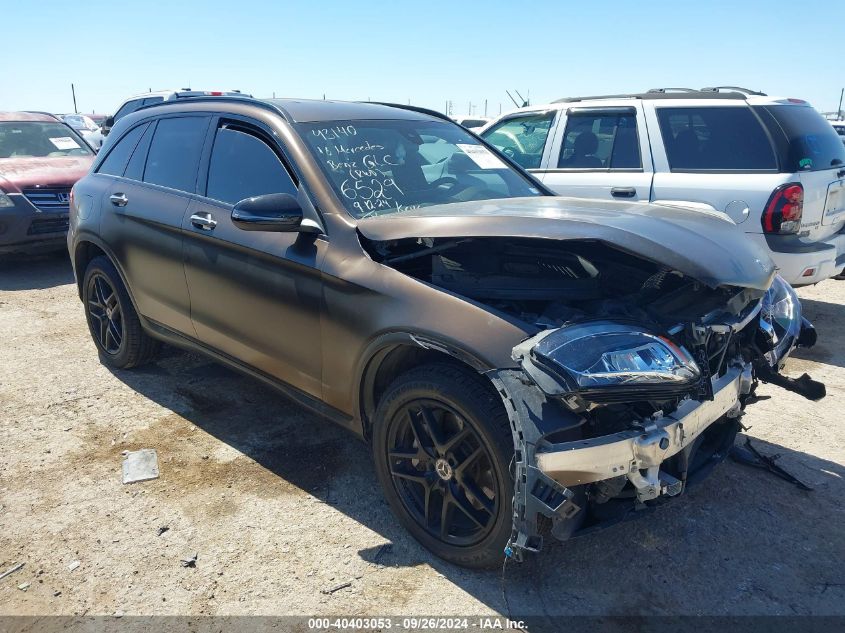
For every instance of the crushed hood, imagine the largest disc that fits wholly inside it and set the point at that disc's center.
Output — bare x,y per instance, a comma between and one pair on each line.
705,246
24,173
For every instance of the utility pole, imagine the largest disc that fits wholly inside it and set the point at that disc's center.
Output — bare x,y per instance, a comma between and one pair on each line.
839,109
73,92
485,108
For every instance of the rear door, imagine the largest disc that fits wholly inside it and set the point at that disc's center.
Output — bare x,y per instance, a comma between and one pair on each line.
147,205
255,295
717,154
601,152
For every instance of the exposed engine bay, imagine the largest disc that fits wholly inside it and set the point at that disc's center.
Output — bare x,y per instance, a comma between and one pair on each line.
632,387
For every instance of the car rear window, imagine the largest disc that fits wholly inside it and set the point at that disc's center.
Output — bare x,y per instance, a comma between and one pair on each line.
805,140
715,139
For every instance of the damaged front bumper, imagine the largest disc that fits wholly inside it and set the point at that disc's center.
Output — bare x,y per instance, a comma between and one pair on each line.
638,454
567,481
552,479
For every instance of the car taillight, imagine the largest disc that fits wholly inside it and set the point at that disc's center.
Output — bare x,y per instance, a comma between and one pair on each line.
784,209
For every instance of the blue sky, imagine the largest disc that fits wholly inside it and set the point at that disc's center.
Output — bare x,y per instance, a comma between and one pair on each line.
426,52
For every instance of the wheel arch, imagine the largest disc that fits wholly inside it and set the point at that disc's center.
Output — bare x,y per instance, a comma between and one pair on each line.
392,354
87,248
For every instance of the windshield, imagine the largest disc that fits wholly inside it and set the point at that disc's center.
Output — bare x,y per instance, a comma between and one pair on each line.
31,139
79,122
389,166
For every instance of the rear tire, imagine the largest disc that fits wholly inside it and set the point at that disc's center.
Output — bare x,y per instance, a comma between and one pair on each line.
442,447
112,319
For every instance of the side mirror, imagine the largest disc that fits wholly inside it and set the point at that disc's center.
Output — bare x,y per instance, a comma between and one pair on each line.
279,212
107,125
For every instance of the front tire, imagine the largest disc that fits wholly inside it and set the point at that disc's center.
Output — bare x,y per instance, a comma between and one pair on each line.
442,447
112,319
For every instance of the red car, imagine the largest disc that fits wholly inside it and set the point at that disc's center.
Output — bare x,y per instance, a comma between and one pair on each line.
40,160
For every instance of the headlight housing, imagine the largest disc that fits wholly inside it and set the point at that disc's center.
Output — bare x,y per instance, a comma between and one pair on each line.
610,361
780,321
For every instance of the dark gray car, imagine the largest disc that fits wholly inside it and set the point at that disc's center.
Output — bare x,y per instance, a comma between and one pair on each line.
508,355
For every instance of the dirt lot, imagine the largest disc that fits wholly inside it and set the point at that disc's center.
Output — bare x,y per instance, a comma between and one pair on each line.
279,505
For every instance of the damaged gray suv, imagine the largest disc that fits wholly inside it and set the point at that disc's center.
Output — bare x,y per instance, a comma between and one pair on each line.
519,363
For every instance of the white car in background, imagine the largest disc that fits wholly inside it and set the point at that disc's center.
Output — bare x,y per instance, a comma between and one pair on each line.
86,127
839,126
772,165
473,123
149,98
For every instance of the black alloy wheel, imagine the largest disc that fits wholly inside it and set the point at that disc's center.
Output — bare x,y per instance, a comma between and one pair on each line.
442,446
442,472
104,309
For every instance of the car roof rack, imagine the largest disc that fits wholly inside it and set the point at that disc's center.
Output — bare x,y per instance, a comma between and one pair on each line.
401,106
665,90
735,89
661,93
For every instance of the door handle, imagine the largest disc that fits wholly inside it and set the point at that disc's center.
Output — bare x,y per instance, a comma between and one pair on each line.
119,199
203,220
623,192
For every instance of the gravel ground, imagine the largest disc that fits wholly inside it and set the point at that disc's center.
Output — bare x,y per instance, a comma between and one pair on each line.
279,505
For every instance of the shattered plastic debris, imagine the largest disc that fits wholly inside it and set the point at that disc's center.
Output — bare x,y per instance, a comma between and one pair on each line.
24,586
75,564
190,561
140,465
163,529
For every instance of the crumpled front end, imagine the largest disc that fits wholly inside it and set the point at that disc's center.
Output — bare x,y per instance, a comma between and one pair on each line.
610,415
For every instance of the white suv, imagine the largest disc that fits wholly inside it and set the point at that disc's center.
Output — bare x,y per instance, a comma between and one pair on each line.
149,98
773,165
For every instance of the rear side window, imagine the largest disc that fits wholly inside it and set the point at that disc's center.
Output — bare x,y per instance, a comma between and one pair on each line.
135,168
715,139
806,141
175,152
242,166
522,138
600,140
115,162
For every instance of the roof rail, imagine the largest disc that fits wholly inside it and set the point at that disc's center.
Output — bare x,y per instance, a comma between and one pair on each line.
216,99
734,89
429,112
665,90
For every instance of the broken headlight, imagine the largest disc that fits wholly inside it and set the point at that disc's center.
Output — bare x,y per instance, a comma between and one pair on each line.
612,357
780,320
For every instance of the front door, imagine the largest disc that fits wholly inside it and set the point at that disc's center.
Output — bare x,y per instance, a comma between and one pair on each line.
255,295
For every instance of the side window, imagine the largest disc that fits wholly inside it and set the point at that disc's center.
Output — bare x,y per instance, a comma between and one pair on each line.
600,140
715,139
135,168
151,100
115,162
242,166
175,152
128,107
522,138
